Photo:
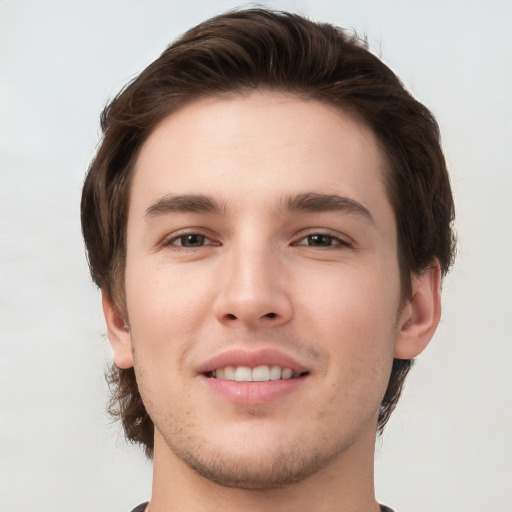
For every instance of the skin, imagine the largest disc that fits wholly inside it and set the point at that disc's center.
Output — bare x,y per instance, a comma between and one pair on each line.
321,287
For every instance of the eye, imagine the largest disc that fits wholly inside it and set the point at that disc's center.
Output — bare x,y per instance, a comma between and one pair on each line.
322,240
190,240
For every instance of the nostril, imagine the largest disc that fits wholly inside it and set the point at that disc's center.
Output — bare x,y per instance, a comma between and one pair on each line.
248,317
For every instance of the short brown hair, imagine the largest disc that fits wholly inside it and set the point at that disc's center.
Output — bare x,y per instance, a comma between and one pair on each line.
261,49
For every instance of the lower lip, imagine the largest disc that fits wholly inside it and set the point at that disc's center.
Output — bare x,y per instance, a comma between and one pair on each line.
254,393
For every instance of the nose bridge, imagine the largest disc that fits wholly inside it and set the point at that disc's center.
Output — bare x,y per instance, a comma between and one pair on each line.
251,291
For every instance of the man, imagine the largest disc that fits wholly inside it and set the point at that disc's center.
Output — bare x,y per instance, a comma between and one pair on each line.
269,219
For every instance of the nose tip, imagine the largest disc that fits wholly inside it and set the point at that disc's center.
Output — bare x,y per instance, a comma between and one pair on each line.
253,300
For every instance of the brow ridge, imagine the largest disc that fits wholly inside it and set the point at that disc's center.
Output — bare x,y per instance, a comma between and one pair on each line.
306,202
185,203
316,202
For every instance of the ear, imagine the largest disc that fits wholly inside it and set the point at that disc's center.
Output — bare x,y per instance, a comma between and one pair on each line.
118,332
421,314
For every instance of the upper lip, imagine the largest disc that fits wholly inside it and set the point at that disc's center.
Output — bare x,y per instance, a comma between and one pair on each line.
251,358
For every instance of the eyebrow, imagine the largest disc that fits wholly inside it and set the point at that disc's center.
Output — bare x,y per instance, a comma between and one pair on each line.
186,203
314,202
305,202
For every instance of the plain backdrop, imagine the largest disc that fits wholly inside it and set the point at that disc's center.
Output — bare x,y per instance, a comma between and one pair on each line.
448,447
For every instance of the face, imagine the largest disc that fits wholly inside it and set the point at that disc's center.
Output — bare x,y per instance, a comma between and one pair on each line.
262,287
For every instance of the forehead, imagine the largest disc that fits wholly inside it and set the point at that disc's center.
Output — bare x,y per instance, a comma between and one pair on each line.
257,148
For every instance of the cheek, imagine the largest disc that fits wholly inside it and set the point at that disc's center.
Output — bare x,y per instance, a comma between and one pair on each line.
353,318
356,329
354,303
164,309
163,313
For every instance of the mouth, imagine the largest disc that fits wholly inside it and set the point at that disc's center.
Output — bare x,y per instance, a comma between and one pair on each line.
261,373
251,386
254,377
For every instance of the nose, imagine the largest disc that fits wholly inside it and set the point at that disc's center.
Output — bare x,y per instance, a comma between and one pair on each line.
253,291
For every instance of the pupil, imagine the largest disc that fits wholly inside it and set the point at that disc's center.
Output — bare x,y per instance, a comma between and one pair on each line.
320,240
192,240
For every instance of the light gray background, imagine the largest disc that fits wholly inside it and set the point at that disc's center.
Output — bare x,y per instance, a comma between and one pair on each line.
448,447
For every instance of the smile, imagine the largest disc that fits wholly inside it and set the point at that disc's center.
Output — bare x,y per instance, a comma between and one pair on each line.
253,377
260,373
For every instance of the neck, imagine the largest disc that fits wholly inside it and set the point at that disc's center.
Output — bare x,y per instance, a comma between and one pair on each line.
346,484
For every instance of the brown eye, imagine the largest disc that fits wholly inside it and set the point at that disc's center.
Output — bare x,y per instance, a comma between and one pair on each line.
320,240
190,240
323,240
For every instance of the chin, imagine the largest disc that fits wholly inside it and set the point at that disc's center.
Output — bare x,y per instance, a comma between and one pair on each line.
260,467
270,472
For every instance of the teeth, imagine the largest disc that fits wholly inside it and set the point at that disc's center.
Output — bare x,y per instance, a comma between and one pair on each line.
229,373
260,373
257,374
243,374
275,373
287,373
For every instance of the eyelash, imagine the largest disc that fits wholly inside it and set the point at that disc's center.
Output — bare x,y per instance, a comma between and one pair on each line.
332,241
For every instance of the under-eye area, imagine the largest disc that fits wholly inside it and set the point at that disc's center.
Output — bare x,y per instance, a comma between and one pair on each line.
257,374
